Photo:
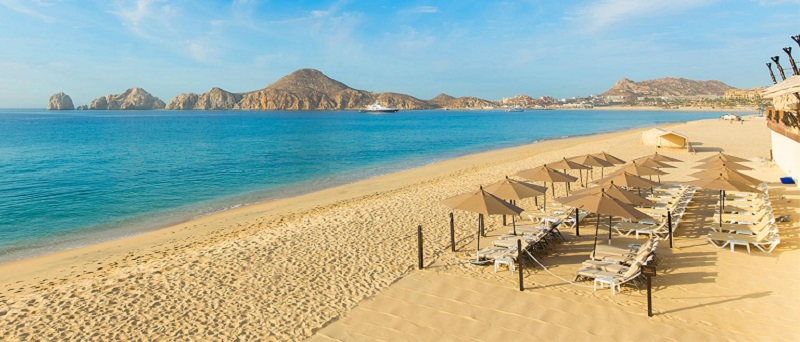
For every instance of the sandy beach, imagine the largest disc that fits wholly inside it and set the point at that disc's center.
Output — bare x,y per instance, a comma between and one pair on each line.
340,264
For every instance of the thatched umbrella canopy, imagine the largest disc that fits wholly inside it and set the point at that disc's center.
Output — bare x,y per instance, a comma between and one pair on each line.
546,174
565,164
725,157
512,189
728,174
609,158
602,203
722,184
483,203
592,161
717,163
658,157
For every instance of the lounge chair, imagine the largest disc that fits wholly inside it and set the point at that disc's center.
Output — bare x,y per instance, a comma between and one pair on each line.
614,279
766,238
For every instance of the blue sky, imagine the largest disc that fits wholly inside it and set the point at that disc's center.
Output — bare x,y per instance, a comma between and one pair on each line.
488,49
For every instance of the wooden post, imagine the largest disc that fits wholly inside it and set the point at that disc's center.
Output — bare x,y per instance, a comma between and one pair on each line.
419,245
669,223
770,154
577,222
649,297
480,224
519,264
452,233
648,271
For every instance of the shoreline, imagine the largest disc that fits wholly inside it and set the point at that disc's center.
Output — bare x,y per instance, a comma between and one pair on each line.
154,236
287,269
118,230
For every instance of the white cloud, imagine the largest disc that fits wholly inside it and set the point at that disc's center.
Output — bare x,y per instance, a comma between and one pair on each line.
606,13
424,9
147,18
776,2
23,8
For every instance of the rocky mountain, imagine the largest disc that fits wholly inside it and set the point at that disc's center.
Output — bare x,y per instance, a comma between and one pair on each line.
131,99
60,101
309,89
214,99
447,101
441,99
666,87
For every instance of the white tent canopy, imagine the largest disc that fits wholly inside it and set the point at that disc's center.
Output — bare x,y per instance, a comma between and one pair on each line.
663,138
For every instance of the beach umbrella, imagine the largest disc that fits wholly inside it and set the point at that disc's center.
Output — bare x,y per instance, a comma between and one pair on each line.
717,163
602,203
722,184
725,157
609,158
658,157
546,174
484,204
638,170
727,174
565,165
628,180
515,190
592,161
617,192
654,164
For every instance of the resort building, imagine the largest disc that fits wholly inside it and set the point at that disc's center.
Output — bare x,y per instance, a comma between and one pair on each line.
744,94
782,121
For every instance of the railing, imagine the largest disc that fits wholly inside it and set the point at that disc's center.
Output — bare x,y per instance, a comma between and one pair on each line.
784,123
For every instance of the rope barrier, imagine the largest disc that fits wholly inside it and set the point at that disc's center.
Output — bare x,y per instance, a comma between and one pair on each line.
553,274
462,262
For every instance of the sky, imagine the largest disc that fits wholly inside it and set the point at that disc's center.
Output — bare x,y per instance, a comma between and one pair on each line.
487,49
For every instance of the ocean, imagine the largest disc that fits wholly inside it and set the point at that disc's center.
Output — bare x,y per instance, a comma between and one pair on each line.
69,179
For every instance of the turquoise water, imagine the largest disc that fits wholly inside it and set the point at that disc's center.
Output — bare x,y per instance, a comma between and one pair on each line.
73,178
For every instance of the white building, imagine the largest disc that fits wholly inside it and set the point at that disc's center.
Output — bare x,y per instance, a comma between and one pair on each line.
783,123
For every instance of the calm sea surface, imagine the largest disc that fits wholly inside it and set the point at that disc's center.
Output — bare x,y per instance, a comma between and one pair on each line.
69,179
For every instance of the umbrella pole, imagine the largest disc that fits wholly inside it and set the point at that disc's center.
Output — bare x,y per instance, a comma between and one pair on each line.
596,231
477,255
580,173
609,229
514,223
577,222
721,207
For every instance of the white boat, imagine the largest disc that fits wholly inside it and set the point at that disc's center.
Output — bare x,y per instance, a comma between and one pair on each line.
516,108
377,107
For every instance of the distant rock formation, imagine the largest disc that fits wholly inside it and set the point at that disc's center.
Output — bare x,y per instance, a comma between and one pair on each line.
666,87
82,107
309,89
304,89
214,99
60,101
131,99
447,101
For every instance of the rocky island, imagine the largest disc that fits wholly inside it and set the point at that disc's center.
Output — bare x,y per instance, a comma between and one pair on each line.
60,101
310,89
132,99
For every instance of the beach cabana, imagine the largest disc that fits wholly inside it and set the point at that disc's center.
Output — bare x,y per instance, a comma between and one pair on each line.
663,138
